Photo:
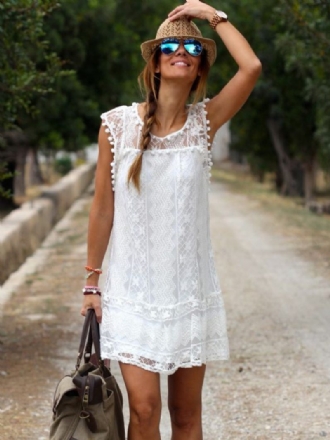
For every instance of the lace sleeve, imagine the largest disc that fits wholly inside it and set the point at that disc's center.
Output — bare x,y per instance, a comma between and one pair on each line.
113,121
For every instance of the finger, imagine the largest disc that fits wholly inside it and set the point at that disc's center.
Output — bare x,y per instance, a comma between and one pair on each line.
178,15
98,314
175,11
85,307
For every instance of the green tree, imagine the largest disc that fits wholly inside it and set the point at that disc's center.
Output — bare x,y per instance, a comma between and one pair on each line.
27,69
280,119
63,116
112,41
305,44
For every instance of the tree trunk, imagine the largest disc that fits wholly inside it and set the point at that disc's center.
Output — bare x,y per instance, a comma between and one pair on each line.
309,178
261,176
35,176
19,192
289,186
8,203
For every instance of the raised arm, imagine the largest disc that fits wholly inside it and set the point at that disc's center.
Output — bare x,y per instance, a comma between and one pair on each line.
231,98
100,220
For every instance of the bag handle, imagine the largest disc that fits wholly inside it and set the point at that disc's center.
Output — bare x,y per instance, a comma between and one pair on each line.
91,333
95,330
84,334
88,347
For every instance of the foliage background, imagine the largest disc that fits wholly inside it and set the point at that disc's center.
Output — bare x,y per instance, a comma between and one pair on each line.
63,63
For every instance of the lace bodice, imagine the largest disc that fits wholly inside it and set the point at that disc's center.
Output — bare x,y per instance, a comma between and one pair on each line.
124,126
162,303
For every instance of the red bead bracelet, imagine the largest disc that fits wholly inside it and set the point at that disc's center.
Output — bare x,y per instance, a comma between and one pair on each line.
90,269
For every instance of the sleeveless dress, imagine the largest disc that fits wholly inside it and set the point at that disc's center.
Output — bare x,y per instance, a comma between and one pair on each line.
162,304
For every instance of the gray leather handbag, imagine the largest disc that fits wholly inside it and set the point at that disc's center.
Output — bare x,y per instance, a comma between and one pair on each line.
88,403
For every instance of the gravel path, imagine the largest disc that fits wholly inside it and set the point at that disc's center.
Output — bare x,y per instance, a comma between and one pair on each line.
276,385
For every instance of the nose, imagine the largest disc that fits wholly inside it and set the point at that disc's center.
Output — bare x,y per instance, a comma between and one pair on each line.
181,50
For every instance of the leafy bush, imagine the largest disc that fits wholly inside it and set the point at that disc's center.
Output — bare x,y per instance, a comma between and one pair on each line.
63,165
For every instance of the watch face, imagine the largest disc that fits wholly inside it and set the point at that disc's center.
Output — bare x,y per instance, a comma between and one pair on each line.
222,15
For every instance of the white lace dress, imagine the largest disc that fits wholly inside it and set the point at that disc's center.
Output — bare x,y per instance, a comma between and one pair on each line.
162,304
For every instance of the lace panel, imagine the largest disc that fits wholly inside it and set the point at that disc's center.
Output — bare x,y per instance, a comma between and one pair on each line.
193,133
163,307
165,345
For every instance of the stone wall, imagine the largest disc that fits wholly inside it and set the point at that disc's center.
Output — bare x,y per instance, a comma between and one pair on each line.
23,230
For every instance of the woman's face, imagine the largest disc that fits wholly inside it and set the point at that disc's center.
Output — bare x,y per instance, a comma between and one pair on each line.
179,65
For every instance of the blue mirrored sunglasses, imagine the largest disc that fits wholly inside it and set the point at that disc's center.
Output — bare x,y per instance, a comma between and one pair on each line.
171,45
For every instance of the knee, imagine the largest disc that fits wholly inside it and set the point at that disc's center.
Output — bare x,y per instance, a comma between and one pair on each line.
185,419
145,412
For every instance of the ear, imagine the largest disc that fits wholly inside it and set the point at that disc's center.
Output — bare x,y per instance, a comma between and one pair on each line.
157,69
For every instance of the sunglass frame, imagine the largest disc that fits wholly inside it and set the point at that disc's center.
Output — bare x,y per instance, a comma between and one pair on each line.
186,42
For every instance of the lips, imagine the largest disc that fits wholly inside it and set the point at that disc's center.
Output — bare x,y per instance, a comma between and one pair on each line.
180,63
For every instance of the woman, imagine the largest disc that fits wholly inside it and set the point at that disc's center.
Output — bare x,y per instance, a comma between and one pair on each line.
162,308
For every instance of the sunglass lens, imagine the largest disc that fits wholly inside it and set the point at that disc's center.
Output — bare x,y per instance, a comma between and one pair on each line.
193,47
169,45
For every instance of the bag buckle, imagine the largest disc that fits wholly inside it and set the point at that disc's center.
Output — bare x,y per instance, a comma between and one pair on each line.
86,394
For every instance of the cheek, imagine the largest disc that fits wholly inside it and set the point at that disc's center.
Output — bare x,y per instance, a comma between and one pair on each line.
159,65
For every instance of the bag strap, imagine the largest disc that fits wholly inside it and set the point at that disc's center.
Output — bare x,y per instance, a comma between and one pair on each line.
88,347
95,330
91,333
84,333
93,339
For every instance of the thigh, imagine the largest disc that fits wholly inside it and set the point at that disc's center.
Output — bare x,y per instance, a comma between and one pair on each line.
142,386
185,388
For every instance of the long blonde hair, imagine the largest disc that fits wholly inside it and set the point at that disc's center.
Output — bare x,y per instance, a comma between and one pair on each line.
149,81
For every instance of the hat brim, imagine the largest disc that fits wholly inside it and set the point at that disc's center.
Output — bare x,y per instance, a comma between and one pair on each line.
148,47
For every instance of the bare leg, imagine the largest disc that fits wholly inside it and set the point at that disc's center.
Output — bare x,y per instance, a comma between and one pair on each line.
185,403
143,388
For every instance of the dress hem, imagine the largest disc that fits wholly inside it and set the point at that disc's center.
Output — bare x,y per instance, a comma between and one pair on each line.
197,363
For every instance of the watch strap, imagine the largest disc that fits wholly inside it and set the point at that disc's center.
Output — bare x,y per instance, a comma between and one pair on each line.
216,19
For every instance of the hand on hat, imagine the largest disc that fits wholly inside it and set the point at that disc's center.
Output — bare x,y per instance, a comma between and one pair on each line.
192,9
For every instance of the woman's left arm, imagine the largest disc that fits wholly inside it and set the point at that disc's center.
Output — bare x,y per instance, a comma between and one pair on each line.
235,93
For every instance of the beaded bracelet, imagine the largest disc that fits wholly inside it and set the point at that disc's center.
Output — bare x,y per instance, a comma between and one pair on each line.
91,290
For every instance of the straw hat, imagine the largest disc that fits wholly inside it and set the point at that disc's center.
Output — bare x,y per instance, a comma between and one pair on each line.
181,28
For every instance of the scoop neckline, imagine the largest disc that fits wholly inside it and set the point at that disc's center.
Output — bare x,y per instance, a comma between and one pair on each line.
170,134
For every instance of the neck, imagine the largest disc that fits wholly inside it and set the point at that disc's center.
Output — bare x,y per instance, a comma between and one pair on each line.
171,105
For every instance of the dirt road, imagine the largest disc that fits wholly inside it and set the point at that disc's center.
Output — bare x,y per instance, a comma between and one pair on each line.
277,293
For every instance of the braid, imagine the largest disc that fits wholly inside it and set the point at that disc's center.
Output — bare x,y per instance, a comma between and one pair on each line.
151,83
149,119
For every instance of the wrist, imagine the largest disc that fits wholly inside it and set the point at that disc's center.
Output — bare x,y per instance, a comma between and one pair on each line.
217,18
93,280
210,13
92,273
91,290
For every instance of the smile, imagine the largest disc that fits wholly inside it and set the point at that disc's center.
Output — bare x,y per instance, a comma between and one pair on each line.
180,63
